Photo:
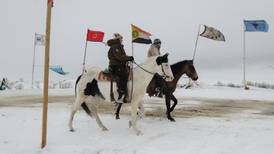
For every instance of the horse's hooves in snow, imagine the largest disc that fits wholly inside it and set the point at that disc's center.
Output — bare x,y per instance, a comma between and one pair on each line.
104,129
139,133
117,117
71,130
171,119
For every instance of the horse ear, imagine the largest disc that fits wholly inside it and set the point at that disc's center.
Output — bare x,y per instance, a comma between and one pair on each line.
159,60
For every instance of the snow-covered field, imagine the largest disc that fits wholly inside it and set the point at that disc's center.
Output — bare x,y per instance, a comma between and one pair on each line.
245,124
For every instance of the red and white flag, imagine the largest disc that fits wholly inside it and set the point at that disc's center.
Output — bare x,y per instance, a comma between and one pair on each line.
95,36
50,2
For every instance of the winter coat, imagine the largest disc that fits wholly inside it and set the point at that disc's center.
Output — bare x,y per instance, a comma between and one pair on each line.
116,53
153,51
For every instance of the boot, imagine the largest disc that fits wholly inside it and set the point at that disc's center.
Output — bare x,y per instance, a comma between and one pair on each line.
126,99
120,97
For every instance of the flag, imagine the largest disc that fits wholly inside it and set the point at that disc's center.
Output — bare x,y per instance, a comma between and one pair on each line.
212,33
58,69
140,36
95,36
256,26
50,2
39,39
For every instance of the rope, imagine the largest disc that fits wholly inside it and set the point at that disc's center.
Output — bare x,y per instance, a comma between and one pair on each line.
143,68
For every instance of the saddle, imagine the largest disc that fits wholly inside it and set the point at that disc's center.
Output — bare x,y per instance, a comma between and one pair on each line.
107,75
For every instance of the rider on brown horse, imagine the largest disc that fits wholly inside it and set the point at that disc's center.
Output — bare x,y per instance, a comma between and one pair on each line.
118,65
157,83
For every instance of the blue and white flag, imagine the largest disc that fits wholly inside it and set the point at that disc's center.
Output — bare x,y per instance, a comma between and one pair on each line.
256,26
58,69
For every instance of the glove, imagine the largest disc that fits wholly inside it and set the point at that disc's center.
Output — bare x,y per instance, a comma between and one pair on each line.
131,58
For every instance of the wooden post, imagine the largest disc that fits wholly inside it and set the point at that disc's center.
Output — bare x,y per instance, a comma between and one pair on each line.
46,75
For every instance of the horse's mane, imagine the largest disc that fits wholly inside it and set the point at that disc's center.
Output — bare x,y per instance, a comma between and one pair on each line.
178,65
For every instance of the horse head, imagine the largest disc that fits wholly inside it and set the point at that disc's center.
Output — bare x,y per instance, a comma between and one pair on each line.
166,71
190,70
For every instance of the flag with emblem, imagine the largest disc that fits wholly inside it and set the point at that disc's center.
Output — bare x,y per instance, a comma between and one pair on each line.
140,36
95,36
213,34
39,39
256,26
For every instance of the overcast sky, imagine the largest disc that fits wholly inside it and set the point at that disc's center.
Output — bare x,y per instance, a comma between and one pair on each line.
175,22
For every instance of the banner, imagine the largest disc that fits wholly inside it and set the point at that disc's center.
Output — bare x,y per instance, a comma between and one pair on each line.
95,36
256,26
40,39
213,34
140,36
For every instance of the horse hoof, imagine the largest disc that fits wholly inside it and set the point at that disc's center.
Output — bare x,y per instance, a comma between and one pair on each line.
104,129
117,117
129,124
72,130
138,133
171,119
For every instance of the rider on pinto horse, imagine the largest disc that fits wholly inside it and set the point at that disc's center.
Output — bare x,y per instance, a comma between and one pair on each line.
118,65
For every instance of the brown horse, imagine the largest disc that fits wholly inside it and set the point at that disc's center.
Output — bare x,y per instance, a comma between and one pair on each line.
178,69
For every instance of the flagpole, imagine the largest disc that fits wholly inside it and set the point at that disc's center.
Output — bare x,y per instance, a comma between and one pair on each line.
194,53
244,58
196,42
33,61
84,61
46,75
132,53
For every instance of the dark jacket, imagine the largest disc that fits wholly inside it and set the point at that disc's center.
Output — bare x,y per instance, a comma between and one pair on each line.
116,53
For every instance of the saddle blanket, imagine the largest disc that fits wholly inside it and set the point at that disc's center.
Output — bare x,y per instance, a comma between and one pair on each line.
109,76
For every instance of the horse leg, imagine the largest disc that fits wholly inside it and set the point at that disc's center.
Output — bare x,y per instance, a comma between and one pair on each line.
94,113
175,102
74,109
168,108
117,113
141,111
132,122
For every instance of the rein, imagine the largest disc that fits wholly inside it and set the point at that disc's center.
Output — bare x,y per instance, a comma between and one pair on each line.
164,76
143,68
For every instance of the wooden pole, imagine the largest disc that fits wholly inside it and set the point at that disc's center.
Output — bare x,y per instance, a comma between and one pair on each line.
46,75
33,61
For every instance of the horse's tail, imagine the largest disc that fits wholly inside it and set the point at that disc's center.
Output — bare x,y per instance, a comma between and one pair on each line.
78,79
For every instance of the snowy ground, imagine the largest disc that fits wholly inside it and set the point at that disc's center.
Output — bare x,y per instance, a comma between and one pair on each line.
209,120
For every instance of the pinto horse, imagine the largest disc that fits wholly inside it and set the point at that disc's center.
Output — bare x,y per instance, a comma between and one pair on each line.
88,89
178,69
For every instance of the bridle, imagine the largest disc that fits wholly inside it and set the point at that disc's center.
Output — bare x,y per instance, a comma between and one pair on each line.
164,76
